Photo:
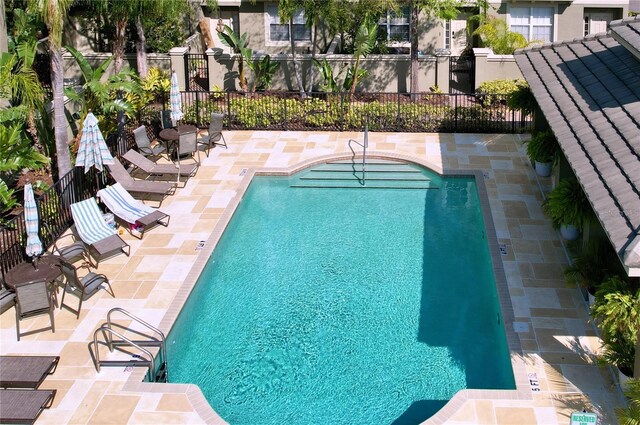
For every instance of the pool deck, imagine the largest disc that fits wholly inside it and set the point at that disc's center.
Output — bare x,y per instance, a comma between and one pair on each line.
555,368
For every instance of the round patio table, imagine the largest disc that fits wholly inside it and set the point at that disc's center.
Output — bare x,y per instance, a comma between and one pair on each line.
171,136
47,269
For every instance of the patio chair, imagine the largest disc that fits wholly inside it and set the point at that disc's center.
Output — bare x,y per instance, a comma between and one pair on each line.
140,189
26,371
82,287
72,252
188,146
214,134
103,241
153,168
7,298
33,299
24,407
122,204
144,144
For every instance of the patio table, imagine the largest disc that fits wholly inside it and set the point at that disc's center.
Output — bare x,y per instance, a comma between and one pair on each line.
171,136
47,269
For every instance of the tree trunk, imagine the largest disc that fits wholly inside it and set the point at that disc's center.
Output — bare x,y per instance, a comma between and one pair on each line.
296,68
59,121
636,363
312,68
141,50
118,45
413,31
206,33
354,81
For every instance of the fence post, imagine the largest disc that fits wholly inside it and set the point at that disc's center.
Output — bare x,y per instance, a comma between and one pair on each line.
178,64
198,120
455,110
228,94
284,124
341,111
398,110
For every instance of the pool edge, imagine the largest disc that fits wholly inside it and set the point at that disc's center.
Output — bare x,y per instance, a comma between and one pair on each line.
193,392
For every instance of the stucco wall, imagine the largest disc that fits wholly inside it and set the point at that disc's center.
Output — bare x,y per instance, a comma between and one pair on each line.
72,71
490,66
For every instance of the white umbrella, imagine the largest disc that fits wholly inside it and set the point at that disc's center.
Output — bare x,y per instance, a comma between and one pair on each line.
93,151
34,245
175,100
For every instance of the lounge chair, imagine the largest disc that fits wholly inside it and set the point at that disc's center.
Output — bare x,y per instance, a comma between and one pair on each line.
140,189
7,298
74,251
144,144
82,287
103,241
122,204
26,371
24,407
214,134
33,299
153,168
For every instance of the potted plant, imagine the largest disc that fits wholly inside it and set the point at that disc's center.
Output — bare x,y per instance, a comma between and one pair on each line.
568,208
617,309
543,152
630,414
593,264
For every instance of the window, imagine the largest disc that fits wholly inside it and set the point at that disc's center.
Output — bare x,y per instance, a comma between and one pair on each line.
534,23
396,25
447,34
586,26
281,32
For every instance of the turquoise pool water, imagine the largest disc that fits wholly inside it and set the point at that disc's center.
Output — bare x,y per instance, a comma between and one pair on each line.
344,306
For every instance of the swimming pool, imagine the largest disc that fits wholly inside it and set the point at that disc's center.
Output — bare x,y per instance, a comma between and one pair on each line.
344,305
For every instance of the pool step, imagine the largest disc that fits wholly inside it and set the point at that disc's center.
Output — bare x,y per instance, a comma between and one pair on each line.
381,174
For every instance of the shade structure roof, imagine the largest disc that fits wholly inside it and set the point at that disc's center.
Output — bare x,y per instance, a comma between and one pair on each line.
589,92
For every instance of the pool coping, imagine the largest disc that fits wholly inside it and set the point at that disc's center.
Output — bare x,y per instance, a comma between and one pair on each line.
136,383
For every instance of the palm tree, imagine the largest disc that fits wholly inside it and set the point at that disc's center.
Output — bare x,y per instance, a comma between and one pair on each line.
630,415
363,43
239,45
53,14
287,9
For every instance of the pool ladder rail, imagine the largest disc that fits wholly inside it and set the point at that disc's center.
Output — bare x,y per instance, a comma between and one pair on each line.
365,145
114,339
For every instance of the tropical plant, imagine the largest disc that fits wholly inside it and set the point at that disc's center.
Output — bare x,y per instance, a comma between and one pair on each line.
16,151
495,34
594,263
239,45
154,87
543,147
329,83
567,204
99,95
287,9
496,91
53,14
630,415
363,43
263,71
522,99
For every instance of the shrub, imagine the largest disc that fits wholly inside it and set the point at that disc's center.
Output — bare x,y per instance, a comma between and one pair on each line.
567,204
497,91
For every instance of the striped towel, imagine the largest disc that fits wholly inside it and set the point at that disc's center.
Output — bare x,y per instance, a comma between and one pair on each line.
122,204
89,222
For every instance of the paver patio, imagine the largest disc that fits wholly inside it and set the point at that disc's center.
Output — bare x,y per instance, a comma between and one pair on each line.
558,342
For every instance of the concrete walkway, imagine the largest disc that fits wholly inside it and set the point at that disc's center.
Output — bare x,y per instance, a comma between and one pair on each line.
555,368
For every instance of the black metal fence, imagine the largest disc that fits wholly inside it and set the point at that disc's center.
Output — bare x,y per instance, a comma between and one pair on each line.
398,112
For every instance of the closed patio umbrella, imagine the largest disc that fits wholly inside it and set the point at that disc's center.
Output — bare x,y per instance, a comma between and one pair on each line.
93,151
175,101
34,245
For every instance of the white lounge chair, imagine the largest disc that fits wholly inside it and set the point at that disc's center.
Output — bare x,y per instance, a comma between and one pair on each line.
122,204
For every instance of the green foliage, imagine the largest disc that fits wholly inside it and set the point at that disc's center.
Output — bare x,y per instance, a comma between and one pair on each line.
329,83
102,95
239,45
617,312
630,415
567,204
522,99
164,31
496,91
17,152
263,71
363,43
7,199
543,147
594,263
495,34
153,89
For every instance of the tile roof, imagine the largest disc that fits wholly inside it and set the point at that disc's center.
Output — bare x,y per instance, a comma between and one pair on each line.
589,92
